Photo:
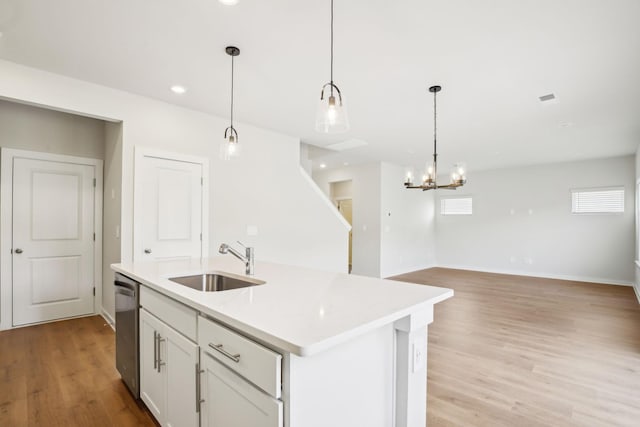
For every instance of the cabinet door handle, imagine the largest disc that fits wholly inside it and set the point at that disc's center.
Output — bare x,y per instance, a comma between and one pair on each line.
155,350
160,362
220,349
199,398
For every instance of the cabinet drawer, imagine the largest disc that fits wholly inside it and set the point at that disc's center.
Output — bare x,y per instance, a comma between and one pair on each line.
256,363
178,316
231,401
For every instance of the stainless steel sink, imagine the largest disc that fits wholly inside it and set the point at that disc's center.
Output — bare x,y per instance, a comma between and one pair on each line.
216,282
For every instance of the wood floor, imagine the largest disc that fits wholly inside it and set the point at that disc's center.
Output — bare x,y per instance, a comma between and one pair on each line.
504,351
521,351
63,374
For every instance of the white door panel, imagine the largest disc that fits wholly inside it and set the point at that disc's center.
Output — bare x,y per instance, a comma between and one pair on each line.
171,203
53,216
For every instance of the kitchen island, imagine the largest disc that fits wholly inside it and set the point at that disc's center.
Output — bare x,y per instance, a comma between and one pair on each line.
306,348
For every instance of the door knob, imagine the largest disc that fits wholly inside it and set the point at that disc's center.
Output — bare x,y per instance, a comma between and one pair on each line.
146,251
18,251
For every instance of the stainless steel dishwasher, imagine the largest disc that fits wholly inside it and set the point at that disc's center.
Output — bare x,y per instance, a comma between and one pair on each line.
127,332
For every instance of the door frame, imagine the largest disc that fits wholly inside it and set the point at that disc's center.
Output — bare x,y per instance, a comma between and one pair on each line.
139,154
6,226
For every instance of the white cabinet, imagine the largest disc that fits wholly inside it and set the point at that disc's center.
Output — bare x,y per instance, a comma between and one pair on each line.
241,379
153,384
168,370
231,401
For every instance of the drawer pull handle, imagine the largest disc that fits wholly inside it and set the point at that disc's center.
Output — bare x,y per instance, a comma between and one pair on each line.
220,349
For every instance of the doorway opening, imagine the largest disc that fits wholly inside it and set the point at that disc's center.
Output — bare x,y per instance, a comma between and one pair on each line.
341,193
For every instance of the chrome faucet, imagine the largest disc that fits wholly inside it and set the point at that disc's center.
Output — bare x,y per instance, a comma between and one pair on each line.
247,258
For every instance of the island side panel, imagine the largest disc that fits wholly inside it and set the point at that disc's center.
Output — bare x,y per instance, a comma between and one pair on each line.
411,369
349,385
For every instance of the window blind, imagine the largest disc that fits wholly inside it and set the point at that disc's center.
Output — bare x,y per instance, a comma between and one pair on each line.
456,206
598,200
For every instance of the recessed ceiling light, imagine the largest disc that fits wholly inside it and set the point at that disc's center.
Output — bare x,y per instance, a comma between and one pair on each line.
228,2
178,89
323,165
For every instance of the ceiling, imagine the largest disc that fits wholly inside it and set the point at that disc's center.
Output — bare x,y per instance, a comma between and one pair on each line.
494,58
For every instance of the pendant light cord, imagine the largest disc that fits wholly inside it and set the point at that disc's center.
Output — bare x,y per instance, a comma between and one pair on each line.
331,47
232,92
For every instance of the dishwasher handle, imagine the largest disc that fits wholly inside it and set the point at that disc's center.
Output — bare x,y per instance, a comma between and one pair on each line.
125,291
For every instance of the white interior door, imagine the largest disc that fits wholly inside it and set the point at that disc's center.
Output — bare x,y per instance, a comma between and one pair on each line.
53,240
170,200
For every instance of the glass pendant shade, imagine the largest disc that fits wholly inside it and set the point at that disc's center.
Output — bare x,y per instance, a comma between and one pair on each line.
409,176
332,116
229,148
458,174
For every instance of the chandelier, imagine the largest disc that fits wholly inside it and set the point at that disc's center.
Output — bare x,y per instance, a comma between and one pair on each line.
429,179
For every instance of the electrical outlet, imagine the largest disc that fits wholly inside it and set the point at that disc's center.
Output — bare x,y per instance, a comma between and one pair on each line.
419,356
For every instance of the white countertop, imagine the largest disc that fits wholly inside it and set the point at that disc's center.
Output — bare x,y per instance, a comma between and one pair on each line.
299,310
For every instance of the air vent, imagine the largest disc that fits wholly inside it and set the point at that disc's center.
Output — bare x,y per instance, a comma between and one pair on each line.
546,98
349,144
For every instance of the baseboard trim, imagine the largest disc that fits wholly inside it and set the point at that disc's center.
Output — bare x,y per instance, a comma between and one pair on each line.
543,275
409,270
108,318
636,289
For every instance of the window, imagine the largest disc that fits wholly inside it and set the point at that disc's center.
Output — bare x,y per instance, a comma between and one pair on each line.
598,200
456,206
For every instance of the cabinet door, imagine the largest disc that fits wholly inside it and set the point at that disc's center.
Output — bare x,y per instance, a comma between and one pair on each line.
181,366
231,401
153,385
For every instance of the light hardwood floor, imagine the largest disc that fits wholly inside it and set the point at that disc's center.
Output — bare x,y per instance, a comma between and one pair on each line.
504,351
63,374
521,351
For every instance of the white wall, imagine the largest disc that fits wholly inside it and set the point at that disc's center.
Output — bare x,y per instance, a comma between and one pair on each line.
408,225
393,228
366,191
265,187
112,207
522,223
637,233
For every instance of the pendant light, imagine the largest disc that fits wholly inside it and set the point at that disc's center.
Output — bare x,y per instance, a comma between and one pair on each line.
332,113
429,179
230,148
